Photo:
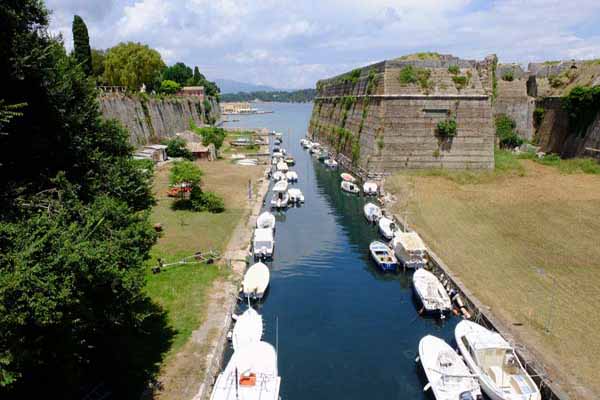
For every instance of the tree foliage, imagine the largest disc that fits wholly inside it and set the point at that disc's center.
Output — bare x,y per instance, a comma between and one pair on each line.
133,65
169,87
176,147
178,72
211,135
506,133
447,128
74,229
98,58
185,171
582,104
81,45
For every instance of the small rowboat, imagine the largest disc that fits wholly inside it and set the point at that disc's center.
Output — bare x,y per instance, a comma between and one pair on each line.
347,177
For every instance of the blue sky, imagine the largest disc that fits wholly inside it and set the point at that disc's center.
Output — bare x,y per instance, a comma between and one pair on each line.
293,43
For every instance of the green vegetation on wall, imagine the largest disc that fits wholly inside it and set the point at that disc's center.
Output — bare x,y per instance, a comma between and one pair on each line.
508,76
538,116
413,75
583,105
506,133
454,69
446,128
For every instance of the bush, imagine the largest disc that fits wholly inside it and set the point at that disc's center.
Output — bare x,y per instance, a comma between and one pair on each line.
200,201
505,130
454,70
538,116
460,81
410,75
447,128
185,171
555,81
169,87
508,76
582,104
176,147
352,76
212,134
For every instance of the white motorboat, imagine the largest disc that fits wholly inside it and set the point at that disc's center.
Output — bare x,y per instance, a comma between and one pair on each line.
490,357
449,378
387,227
275,160
303,142
347,177
331,163
372,212
263,243
289,160
265,220
383,256
256,281
250,374
410,249
431,292
307,144
279,135
370,188
280,186
292,176
280,200
282,166
248,328
296,195
247,162
279,176
315,149
349,187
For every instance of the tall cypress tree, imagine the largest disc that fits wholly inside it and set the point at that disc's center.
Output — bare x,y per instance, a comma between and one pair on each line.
81,45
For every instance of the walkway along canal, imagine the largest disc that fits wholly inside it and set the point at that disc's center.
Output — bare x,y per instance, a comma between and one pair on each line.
345,330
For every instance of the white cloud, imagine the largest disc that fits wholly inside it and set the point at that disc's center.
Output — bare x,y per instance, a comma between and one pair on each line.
291,43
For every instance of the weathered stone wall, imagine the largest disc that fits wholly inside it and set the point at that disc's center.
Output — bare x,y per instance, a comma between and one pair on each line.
398,128
514,100
149,121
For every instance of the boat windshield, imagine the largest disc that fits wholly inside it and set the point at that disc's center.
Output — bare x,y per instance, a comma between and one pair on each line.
262,243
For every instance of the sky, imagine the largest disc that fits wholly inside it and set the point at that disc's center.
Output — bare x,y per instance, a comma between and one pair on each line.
293,43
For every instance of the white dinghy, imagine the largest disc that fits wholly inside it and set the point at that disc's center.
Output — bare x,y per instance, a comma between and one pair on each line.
280,200
370,188
491,357
347,177
449,377
296,196
372,212
256,281
410,249
282,166
263,243
280,186
349,187
387,228
265,220
279,176
331,163
248,329
292,176
250,374
383,256
431,292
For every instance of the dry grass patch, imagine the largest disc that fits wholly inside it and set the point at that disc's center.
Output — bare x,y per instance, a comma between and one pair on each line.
528,246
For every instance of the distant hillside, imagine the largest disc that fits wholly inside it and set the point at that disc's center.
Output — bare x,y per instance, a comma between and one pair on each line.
294,96
230,86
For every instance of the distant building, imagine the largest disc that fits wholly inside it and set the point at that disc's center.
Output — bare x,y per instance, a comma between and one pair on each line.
195,91
237,108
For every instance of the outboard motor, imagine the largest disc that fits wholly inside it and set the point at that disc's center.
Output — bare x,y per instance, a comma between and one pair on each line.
466,396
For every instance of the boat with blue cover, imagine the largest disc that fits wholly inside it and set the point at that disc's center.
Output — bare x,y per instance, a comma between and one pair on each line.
383,256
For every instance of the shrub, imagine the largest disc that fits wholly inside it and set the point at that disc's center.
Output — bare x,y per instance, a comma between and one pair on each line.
508,76
169,87
185,171
206,201
352,76
555,81
212,135
453,69
505,130
447,128
176,147
582,104
460,81
410,75
538,116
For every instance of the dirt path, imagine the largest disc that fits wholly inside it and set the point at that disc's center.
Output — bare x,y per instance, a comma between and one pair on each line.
191,372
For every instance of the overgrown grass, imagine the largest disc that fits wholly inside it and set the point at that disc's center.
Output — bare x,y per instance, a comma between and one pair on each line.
571,165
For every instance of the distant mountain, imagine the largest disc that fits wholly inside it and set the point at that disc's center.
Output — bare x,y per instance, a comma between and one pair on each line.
229,86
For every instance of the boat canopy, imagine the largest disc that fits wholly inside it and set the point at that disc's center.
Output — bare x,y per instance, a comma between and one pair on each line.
410,241
481,340
263,235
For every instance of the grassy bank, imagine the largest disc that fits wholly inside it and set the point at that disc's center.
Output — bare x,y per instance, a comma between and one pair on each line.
182,290
524,239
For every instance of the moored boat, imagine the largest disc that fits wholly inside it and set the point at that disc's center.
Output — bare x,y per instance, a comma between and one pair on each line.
291,176
279,176
263,243
449,378
280,186
265,220
331,163
383,256
349,187
280,200
410,249
347,177
289,160
372,212
387,227
250,374
490,357
256,281
295,195
370,188
282,166
248,327
431,292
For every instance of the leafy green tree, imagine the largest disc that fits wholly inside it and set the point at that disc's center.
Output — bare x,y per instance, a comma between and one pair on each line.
169,87
98,58
81,45
133,65
212,135
74,229
179,72
176,147
185,171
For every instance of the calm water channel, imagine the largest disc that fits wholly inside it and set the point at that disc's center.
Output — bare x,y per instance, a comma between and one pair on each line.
346,331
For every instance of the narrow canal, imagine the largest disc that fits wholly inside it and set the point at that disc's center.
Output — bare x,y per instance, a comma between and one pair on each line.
346,330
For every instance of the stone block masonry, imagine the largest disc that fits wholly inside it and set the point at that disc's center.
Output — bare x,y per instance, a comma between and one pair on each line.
385,124
149,120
